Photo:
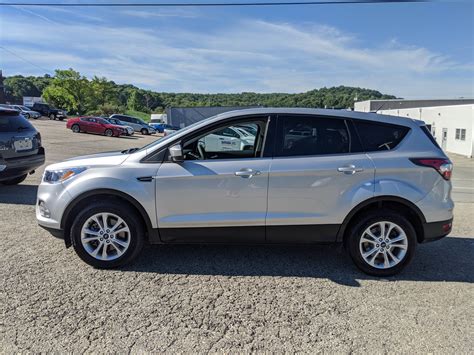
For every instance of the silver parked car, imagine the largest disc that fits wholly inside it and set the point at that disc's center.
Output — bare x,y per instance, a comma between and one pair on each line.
27,112
137,124
378,184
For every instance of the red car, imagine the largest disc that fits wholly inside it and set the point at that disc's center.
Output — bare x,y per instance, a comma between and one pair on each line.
95,125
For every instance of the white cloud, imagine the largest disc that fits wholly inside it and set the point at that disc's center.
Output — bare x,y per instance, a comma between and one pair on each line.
245,55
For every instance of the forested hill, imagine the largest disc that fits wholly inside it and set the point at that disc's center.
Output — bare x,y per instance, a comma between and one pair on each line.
76,93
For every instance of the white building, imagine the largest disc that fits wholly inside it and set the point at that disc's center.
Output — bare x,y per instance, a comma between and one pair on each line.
451,121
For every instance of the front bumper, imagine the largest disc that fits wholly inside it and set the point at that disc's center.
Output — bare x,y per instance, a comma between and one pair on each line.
21,166
436,230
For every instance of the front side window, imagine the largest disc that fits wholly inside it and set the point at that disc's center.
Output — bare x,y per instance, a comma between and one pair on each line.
227,142
379,136
308,135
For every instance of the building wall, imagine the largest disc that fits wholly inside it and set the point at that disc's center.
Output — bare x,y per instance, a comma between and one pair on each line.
449,118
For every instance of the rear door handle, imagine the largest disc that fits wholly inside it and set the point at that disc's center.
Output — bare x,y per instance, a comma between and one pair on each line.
247,173
349,169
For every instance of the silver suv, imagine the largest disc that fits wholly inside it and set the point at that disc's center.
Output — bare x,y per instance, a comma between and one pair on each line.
378,184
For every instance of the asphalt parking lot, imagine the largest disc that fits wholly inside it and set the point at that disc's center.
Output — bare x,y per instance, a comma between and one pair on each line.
221,298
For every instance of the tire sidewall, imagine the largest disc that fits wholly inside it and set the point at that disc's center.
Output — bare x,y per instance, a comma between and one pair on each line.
144,131
107,132
131,219
363,224
76,125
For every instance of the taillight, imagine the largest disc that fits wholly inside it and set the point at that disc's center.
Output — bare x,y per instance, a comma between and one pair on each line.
38,139
442,166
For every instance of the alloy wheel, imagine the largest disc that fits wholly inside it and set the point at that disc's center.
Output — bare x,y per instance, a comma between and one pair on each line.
383,245
105,236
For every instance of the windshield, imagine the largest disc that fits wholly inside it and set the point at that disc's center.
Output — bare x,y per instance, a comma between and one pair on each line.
114,121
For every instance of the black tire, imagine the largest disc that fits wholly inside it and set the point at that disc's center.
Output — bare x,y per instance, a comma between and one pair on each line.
356,233
109,133
52,116
27,115
15,181
122,210
145,132
61,118
75,128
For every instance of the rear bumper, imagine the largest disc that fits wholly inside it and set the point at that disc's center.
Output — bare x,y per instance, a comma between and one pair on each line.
21,166
436,230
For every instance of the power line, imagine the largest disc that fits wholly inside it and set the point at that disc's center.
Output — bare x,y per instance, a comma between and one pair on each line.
211,4
25,60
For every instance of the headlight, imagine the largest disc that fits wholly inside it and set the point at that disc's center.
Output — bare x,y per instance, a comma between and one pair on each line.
57,176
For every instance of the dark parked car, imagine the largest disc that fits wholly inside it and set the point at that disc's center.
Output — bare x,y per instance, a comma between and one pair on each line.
97,125
49,111
20,147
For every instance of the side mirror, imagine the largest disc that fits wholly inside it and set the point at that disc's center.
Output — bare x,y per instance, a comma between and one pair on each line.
176,153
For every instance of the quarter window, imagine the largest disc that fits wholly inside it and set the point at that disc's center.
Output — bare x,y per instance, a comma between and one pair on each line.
377,136
307,135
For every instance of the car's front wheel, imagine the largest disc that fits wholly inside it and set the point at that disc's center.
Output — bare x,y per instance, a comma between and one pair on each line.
144,131
107,234
52,116
75,128
109,132
382,244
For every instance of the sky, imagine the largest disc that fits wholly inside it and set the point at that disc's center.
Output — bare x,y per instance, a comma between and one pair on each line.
418,50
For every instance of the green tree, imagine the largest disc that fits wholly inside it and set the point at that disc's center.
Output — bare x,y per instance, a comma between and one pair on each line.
71,91
136,101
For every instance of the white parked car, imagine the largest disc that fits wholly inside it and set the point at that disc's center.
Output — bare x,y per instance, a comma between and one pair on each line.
229,138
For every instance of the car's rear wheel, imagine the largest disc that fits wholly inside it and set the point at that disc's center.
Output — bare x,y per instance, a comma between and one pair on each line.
15,181
107,235
75,128
144,131
52,116
382,244
109,132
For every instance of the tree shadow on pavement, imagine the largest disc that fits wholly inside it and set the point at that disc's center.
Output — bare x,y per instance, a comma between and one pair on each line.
18,194
450,259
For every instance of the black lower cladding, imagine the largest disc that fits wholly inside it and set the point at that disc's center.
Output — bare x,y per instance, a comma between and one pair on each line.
252,234
436,230
58,233
22,165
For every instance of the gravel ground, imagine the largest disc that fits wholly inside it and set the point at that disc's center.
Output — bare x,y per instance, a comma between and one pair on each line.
221,298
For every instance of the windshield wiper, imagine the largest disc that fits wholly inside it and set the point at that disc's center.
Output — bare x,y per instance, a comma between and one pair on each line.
129,151
22,128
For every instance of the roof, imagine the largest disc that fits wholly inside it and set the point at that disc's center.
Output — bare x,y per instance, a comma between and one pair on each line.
393,104
321,112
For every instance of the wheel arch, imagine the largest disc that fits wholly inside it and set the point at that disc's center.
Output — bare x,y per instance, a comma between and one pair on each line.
79,201
410,211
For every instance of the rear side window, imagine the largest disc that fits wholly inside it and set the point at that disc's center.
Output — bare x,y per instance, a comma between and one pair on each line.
14,123
309,135
378,136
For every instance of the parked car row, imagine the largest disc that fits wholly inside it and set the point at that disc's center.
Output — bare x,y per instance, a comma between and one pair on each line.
21,151
38,110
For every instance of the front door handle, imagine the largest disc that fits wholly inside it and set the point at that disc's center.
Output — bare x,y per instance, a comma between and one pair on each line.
247,173
349,169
